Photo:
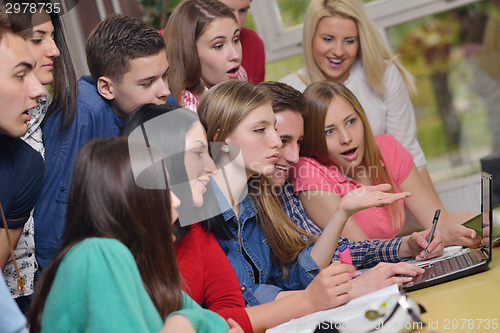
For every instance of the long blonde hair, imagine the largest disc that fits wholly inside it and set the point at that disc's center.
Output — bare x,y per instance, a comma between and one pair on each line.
223,108
318,96
373,51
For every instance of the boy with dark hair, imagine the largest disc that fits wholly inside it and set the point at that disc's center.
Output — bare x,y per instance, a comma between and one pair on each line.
21,167
129,67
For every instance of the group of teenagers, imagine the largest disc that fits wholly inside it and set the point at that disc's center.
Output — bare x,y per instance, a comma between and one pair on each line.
167,193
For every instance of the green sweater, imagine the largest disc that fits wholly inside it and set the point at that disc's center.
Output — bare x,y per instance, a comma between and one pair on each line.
98,288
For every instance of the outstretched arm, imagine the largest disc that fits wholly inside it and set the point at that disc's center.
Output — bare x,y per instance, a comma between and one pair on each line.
352,202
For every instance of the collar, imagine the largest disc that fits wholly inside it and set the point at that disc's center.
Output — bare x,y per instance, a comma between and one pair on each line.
246,208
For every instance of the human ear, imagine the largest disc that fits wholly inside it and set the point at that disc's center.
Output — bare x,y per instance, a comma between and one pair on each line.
216,135
105,88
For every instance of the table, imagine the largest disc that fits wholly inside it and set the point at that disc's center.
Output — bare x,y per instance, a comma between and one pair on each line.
469,304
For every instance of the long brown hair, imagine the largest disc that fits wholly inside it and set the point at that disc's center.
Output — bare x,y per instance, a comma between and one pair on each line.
223,108
318,96
104,201
187,23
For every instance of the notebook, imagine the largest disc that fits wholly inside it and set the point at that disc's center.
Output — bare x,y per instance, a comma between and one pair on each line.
474,261
350,313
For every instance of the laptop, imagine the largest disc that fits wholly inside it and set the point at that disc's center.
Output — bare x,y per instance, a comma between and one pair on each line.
474,261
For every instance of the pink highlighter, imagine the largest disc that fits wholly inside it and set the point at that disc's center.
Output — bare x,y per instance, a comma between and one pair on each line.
345,254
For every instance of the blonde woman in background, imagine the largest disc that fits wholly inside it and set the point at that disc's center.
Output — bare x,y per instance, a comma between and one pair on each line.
341,43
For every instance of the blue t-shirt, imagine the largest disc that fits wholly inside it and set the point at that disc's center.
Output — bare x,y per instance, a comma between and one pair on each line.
21,178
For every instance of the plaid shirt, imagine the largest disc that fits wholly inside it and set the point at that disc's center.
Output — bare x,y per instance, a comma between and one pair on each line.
364,254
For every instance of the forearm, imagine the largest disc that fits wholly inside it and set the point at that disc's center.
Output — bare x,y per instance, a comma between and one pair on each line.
424,174
404,250
288,305
15,234
324,249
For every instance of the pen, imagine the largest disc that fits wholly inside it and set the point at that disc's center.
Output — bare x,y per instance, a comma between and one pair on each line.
434,223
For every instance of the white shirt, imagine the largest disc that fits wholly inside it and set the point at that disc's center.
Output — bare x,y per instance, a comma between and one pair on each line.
390,113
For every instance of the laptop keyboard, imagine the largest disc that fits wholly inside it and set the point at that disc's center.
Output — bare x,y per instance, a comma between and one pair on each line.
452,264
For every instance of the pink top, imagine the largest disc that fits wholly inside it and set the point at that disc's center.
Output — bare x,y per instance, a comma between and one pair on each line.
310,175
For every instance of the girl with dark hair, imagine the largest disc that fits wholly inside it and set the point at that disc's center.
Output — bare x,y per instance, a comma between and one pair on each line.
204,49
116,270
206,273
54,67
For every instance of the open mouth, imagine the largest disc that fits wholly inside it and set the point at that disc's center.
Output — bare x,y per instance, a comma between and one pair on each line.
233,73
350,152
335,61
27,114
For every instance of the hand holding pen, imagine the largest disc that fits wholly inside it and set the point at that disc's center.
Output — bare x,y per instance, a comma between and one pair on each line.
434,223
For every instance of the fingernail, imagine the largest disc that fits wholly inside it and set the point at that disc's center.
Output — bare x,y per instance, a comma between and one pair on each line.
357,273
471,235
422,244
408,278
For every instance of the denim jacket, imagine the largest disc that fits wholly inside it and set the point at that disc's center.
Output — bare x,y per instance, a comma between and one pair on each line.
259,279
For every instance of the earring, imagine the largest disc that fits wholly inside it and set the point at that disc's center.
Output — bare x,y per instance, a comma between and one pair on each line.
225,149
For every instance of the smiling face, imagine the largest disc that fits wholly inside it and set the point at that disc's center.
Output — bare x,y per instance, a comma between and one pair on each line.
290,128
219,51
239,8
43,47
335,47
258,141
199,164
145,82
344,132
19,87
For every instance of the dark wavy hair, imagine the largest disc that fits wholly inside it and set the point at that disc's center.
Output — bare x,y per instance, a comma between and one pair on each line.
104,201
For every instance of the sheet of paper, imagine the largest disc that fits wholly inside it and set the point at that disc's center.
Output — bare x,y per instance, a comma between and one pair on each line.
352,310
